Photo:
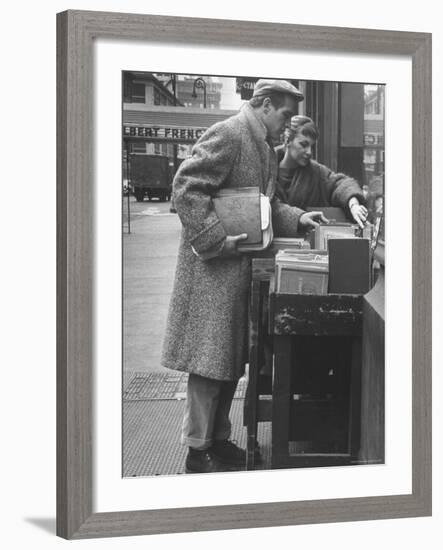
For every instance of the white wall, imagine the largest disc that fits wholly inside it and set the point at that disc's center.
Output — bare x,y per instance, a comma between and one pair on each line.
28,272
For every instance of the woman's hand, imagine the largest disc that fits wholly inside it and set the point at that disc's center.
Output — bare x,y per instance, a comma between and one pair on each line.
311,219
229,249
358,212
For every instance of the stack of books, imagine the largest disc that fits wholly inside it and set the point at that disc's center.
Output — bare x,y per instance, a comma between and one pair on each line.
245,210
336,230
288,243
301,272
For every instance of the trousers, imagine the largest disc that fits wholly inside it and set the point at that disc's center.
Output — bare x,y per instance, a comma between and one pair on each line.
206,417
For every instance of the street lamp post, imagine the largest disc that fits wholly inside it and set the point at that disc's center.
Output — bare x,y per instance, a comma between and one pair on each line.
199,83
173,82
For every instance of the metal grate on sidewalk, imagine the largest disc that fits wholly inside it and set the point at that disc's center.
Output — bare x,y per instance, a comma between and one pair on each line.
151,437
153,386
153,407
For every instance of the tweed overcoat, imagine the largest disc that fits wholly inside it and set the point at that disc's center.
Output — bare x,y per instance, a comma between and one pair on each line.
206,330
317,185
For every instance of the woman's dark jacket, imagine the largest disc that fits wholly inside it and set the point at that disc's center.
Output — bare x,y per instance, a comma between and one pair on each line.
317,185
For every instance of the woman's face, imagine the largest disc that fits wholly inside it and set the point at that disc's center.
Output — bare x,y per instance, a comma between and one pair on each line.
300,149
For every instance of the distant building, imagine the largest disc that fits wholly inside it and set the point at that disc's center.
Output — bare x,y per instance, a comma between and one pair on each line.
161,115
195,91
145,89
374,132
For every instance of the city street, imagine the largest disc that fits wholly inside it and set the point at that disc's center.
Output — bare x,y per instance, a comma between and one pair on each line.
149,256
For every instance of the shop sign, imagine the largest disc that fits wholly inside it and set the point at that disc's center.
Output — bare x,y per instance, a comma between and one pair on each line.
245,87
373,139
163,133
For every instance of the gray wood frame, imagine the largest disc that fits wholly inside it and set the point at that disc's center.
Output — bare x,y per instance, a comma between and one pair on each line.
76,31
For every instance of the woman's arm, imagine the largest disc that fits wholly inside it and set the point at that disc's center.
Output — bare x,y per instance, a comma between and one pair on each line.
358,211
345,192
290,221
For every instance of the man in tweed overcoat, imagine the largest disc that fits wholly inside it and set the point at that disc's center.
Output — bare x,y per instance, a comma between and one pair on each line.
206,333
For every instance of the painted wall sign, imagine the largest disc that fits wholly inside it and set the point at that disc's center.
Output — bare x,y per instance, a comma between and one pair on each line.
163,133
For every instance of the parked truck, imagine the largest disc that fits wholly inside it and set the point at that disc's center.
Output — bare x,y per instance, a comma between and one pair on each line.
150,176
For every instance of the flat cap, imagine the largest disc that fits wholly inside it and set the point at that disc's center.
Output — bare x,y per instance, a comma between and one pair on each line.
263,87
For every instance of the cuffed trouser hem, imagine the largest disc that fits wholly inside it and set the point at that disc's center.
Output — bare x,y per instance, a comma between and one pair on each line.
200,444
206,417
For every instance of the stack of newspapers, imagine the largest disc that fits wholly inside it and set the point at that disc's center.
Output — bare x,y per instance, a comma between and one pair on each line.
301,272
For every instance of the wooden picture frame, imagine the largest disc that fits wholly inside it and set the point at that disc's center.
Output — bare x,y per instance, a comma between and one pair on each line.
76,32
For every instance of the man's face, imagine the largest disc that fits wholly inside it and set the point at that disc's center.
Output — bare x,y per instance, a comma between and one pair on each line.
276,119
300,149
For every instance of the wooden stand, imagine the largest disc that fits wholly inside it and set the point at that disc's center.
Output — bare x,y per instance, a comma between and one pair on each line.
256,410
330,329
304,404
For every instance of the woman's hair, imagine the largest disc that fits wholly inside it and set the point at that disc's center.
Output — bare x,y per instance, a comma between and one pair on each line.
304,125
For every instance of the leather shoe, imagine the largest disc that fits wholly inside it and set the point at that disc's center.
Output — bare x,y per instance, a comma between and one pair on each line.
227,452
202,462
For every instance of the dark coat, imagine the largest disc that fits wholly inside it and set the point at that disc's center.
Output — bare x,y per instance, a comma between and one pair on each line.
317,185
206,331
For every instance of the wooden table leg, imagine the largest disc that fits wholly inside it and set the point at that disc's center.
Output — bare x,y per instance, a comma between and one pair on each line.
281,400
251,398
355,400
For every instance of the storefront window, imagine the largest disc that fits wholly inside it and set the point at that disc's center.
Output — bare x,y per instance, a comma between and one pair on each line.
138,92
159,98
374,149
138,147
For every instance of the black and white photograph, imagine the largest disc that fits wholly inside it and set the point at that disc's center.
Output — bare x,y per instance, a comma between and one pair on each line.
253,268
221,275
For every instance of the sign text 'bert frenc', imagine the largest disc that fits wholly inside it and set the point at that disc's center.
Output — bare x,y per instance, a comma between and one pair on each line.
164,132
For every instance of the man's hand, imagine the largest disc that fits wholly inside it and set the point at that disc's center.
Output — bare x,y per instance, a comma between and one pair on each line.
229,249
359,213
310,220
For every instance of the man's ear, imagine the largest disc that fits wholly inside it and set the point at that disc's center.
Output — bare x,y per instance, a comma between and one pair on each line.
267,104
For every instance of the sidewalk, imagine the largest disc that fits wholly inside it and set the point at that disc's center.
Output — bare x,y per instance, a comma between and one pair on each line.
149,257
153,406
